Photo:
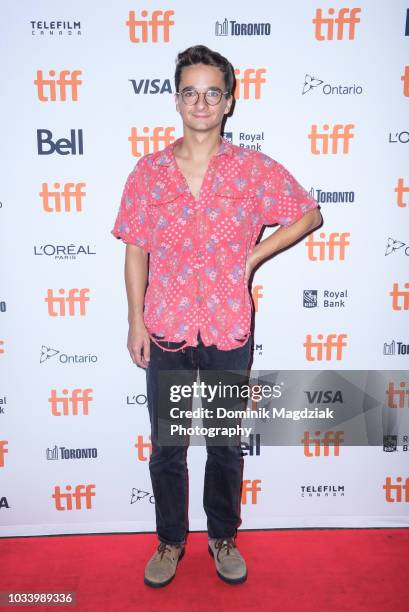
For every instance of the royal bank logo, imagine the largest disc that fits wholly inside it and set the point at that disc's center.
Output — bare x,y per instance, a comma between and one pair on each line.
328,89
234,28
329,299
247,140
390,443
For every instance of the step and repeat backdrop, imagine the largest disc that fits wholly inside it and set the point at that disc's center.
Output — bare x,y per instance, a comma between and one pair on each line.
323,88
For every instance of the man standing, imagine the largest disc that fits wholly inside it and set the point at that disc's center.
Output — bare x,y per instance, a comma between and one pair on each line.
197,207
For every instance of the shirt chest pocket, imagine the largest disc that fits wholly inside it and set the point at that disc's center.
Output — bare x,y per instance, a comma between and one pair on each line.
232,209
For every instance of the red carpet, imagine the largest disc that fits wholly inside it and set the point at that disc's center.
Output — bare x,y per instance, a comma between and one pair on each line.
294,570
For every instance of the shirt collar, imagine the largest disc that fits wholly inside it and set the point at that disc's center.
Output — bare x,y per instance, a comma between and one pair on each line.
167,158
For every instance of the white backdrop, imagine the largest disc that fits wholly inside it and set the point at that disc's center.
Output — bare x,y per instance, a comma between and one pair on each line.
49,356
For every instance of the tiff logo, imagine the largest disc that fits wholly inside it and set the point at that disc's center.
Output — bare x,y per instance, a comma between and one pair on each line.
327,27
74,297
74,501
249,85
151,142
145,30
400,190
65,404
402,395
53,89
323,350
322,442
252,488
400,298
321,141
62,199
396,492
331,249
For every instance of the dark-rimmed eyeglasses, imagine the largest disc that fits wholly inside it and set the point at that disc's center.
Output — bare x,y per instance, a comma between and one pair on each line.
212,96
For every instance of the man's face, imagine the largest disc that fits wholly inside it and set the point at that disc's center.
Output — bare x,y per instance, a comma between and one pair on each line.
202,116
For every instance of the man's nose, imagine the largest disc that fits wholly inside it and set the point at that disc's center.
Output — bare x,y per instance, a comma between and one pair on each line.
201,102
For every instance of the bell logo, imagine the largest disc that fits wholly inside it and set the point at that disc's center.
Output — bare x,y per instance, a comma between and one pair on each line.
62,199
3,452
326,27
66,405
396,493
322,441
141,447
401,395
400,298
75,296
314,351
257,293
331,249
159,21
405,79
161,137
251,487
74,501
63,146
320,141
55,88
250,81
400,190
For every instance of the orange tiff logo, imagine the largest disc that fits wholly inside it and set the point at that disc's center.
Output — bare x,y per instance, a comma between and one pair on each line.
337,23
250,488
75,300
331,249
322,442
65,404
79,499
3,451
2,351
64,198
249,85
400,191
327,142
151,142
398,492
56,87
143,29
144,449
405,79
324,350
401,395
400,297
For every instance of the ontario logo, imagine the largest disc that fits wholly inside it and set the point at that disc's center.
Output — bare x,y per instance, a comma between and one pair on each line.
328,89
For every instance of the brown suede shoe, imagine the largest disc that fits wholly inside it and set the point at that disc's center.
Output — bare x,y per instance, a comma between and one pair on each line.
230,565
161,568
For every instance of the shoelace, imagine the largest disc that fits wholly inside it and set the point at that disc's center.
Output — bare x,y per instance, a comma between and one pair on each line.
162,548
227,544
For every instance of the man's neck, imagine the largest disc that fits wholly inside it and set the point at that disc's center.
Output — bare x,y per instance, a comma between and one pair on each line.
198,147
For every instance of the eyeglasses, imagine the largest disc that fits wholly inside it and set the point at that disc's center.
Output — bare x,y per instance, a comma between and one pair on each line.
212,96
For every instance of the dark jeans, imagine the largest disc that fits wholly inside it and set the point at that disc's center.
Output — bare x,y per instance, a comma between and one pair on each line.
168,464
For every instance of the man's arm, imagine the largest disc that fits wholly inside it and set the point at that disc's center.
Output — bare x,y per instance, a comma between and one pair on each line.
282,238
136,277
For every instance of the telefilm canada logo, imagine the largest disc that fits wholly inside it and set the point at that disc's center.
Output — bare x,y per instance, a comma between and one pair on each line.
229,27
322,490
56,28
328,89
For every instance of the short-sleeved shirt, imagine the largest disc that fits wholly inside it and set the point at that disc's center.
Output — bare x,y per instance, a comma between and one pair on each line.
198,248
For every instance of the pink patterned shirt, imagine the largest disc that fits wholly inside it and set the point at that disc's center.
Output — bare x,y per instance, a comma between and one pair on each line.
198,248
